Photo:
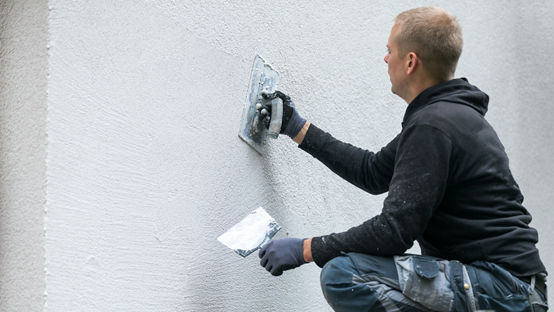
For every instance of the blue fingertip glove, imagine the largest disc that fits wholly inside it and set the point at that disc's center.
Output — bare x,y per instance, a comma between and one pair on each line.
282,254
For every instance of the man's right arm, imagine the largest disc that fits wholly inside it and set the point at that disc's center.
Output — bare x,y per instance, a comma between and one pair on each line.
302,134
369,171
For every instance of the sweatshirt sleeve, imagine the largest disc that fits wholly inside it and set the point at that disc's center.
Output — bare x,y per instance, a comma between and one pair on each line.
369,171
416,190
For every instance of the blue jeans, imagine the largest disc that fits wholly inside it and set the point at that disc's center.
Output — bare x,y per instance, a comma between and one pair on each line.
360,282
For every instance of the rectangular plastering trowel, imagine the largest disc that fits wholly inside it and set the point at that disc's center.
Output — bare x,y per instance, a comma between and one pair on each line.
252,129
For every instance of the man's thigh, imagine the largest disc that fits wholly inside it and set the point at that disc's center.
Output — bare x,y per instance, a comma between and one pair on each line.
360,282
496,289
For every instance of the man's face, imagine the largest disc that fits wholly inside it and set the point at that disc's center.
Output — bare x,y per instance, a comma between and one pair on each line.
395,64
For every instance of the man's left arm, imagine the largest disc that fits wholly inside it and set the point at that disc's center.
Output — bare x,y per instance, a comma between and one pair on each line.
417,187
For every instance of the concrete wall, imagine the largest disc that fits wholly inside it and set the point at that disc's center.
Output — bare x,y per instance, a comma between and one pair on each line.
145,168
23,70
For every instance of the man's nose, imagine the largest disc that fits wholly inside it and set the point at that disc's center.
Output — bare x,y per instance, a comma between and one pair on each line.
387,58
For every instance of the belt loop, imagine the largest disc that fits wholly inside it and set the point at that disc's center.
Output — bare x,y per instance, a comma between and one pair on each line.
532,282
532,292
469,290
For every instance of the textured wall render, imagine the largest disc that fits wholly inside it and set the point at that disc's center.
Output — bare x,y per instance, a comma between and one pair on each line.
23,70
144,165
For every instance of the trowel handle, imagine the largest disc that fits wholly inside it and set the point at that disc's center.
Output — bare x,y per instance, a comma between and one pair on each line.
276,118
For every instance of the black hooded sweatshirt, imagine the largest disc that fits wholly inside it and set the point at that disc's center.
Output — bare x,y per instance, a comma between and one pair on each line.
449,186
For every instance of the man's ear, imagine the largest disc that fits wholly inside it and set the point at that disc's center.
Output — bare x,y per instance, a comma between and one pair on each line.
411,61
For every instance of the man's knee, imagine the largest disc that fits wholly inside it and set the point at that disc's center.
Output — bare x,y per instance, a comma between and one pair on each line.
341,288
337,273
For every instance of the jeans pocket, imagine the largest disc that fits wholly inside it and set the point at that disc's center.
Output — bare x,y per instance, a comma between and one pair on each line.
517,303
537,301
424,280
539,307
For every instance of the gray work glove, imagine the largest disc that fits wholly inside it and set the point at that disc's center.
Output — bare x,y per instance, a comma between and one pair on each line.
292,121
282,254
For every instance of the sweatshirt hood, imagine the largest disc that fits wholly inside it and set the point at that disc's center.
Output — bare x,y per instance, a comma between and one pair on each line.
458,91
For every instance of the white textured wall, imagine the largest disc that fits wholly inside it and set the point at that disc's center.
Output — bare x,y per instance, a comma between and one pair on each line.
145,168
23,69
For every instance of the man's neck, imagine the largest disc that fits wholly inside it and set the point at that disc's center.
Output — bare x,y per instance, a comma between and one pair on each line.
419,85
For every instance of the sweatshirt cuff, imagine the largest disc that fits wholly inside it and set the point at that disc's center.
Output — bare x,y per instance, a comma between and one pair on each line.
320,251
313,139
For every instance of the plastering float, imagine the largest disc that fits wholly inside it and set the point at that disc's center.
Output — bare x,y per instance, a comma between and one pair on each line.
253,131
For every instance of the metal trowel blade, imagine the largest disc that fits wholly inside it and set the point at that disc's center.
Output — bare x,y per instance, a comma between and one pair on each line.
252,130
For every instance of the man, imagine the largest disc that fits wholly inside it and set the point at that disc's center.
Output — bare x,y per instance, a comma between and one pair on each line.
449,187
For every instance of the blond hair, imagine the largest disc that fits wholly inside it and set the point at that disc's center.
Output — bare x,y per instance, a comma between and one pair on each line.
435,36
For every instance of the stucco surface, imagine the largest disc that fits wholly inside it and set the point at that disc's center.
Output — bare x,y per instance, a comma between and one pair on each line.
23,70
145,168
